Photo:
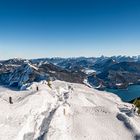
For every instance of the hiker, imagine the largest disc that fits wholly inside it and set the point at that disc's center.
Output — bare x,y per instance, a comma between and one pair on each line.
10,100
37,88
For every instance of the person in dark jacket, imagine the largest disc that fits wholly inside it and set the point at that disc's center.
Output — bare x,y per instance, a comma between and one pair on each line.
10,100
37,88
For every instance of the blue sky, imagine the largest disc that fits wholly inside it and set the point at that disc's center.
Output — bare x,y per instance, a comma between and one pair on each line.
67,28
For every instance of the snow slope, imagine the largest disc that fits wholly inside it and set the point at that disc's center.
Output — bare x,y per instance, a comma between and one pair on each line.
66,111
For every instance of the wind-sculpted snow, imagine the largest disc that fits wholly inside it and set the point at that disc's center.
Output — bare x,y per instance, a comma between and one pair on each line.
66,111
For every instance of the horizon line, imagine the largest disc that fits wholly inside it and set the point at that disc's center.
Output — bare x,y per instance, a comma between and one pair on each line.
70,57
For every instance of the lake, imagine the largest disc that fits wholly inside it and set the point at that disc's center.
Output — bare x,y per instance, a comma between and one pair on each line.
129,94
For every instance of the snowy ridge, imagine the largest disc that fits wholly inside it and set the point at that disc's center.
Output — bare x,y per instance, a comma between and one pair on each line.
66,111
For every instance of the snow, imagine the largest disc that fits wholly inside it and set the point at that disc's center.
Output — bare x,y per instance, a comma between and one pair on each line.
89,71
86,83
66,111
119,84
32,66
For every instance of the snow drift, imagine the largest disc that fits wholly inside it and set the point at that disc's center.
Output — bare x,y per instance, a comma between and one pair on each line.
66,111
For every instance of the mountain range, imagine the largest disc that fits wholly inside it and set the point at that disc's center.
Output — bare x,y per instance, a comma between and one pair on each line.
53,102
111,72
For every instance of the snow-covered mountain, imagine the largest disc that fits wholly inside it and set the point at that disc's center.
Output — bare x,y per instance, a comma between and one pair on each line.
85,62
66,111
117,75
17,72
26,73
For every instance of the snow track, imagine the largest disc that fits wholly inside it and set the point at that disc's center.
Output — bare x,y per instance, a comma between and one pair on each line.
66,112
